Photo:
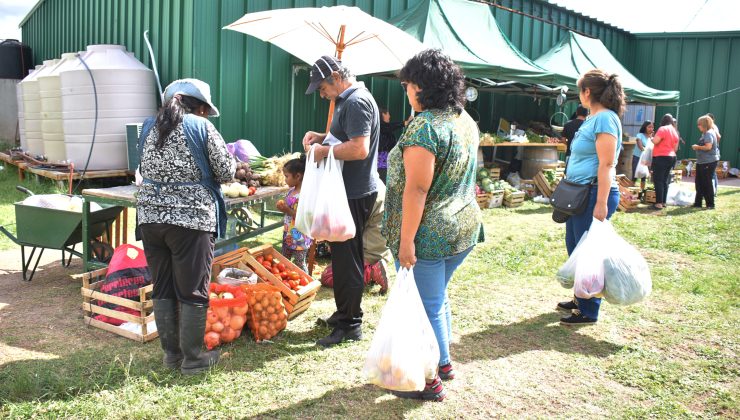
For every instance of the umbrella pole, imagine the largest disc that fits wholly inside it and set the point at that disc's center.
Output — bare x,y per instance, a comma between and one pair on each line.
339,50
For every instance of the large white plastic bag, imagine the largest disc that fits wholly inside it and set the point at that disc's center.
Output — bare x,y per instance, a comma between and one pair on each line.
404,352
642,171
332,220
589,274
567,272
310,188
626,274
679,195
646,157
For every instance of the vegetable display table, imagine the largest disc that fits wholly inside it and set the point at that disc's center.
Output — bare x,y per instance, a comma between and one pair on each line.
246,224
535,156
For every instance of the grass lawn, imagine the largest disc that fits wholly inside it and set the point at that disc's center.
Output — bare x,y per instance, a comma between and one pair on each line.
674,355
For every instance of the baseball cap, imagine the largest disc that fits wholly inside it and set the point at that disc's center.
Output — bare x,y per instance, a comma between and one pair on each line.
198,89
321,69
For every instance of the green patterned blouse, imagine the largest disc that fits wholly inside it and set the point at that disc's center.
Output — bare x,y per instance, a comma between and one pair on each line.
451,222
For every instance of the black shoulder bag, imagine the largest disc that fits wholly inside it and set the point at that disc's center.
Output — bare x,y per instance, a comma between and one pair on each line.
569,199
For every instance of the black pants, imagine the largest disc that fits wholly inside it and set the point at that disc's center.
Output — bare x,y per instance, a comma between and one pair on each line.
180,262
348,264
662,166
704,183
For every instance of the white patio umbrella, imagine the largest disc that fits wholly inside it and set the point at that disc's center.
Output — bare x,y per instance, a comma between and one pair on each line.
365,44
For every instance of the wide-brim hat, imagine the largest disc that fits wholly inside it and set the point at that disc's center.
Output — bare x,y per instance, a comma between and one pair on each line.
192,87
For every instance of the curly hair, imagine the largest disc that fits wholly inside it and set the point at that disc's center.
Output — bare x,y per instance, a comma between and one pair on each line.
441,81
605,88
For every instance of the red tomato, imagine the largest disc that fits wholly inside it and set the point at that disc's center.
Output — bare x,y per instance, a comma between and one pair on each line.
292,284
267,265
293,275
268,257
260,259
303,282
281,266
275,271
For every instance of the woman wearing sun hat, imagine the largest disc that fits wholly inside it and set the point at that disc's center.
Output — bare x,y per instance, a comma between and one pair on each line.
180,211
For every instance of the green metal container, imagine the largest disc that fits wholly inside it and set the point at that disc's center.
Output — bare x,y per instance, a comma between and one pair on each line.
57,229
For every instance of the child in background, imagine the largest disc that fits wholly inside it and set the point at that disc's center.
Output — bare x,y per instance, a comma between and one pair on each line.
295,243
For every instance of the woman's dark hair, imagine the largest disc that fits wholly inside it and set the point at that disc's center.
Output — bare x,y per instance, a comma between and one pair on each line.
441,81
383,110
605,89
666,120
296,166
643,128
172,113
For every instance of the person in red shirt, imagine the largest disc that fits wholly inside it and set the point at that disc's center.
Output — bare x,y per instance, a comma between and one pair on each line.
664,158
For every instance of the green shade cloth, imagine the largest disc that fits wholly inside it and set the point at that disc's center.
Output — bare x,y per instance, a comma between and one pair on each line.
576,54
468,33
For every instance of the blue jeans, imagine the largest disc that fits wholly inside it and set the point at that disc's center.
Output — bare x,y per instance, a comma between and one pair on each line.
432,277
575,227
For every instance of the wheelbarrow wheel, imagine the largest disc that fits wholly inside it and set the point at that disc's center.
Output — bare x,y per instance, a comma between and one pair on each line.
101,251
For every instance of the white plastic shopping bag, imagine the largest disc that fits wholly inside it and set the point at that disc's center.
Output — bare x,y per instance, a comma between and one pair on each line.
679,195
626,274
310,189
646,157
567,273
332,220
589,274
642,171
404,352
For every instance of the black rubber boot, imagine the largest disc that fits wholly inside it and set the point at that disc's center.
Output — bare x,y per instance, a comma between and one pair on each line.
167,320
192,330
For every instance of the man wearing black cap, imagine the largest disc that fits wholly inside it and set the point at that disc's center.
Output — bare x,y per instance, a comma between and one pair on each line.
356,124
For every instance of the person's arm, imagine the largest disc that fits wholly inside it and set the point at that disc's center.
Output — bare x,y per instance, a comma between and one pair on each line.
418,163
706,143
657,139
356,148
639,143
606,147
223,165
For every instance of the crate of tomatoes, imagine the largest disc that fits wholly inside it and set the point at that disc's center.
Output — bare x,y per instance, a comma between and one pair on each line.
298,288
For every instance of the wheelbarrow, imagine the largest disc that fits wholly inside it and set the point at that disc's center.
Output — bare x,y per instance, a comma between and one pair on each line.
41,228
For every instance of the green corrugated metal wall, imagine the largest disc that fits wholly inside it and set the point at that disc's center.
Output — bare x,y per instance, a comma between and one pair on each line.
251,80
700,66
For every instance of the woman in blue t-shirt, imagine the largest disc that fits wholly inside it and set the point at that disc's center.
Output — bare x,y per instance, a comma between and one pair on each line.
643,137
592,161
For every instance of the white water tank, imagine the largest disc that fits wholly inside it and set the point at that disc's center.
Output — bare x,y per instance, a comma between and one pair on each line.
21,112
32,108
50,94
126,94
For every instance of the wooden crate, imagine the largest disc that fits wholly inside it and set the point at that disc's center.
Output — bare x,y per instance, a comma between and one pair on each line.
529,187
513,199
296,302
677,175
484,200
490,200
628,198
495,173
233,259
91,295
624,181
649,196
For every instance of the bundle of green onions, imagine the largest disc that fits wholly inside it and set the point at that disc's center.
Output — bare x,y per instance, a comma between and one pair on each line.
270,170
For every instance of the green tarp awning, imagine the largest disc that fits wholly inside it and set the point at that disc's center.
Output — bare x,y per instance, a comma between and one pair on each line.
576,54
468,33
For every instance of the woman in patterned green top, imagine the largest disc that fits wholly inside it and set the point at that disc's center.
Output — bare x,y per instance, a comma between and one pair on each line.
432,220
